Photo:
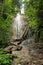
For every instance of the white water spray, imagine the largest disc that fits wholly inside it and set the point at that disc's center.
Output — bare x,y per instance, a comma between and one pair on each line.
18,25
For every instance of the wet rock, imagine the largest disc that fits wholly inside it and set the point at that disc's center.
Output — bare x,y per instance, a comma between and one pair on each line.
8,49
18,48
41,64
14,56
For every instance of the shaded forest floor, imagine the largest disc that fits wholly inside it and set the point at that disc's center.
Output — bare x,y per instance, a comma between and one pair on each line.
25,54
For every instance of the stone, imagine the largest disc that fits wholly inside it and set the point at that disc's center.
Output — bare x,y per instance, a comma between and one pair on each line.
18,48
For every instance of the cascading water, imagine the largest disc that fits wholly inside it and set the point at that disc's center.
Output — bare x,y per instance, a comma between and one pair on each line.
18,25
18,21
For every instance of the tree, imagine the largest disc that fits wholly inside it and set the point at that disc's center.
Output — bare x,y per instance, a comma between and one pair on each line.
5,19
34,13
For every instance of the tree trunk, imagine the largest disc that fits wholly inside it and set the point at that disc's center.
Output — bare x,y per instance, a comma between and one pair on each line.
2,11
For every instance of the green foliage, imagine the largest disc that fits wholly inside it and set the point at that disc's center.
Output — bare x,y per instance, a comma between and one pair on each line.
5,59
34,13
41,36
4,30
8,8
15,6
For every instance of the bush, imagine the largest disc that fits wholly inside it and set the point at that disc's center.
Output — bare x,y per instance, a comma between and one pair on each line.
4,30
5,59
34,14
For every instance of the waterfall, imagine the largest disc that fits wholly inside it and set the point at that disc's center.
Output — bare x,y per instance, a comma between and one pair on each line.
18,25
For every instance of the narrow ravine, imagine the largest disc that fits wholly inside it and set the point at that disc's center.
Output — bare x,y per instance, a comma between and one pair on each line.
18,28
24,54
21,32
